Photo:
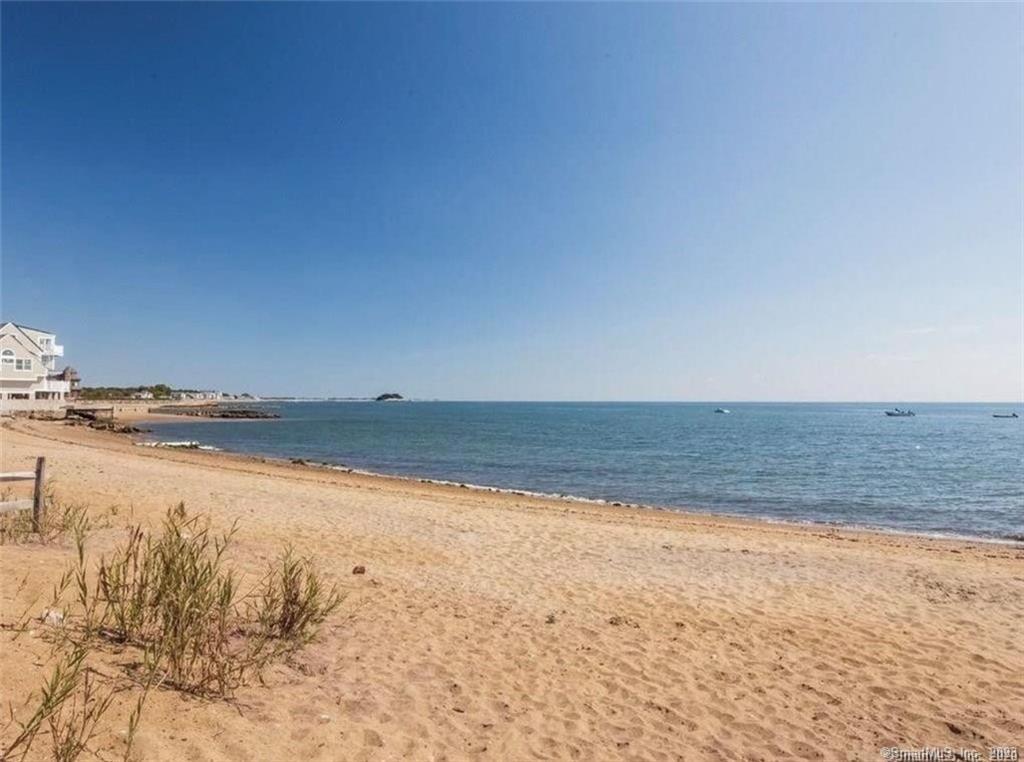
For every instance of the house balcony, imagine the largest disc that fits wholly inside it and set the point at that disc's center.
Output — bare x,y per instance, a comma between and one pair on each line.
54,350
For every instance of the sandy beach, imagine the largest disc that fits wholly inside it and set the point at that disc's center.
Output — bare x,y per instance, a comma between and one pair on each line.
504,627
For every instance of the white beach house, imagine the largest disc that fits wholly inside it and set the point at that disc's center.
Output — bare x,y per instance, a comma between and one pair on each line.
29,378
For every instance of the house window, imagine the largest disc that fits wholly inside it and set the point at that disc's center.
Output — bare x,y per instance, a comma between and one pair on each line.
7,356
23,365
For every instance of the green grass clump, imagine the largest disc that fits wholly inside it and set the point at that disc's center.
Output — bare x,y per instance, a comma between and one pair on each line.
293,602
173,595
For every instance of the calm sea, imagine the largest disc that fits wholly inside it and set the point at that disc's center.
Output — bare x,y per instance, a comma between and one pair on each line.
953,469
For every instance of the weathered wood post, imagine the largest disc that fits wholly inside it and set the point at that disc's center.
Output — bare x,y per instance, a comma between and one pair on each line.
39,498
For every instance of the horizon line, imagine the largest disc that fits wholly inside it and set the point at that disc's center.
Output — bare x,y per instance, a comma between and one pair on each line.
339,398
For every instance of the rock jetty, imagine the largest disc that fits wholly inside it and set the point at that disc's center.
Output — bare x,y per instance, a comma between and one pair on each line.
212,411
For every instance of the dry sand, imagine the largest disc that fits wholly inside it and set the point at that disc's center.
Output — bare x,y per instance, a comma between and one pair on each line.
501,627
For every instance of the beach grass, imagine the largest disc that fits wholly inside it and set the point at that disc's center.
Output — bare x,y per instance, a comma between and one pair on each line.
172,599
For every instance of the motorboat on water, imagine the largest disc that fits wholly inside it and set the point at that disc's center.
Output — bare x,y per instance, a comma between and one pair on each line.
724,410
897,413
1005,415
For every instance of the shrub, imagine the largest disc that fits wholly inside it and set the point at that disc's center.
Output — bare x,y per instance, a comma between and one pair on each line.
174,596
292,601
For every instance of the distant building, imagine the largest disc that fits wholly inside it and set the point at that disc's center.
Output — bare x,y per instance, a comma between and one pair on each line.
142,394
192,394
70,375
29,379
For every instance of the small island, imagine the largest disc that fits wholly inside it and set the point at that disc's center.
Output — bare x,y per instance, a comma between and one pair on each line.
388,397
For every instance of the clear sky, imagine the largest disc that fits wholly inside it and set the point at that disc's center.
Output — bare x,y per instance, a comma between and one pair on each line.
790,202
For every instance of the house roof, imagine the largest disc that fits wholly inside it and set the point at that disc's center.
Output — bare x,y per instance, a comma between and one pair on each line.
26,327
22,329
29,345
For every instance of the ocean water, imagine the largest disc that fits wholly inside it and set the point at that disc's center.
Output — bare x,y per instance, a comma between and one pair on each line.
952,469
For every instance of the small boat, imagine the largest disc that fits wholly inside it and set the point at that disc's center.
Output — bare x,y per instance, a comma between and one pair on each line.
1005,415
897,413
722,410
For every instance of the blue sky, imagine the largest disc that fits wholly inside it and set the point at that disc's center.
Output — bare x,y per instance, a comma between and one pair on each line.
792,202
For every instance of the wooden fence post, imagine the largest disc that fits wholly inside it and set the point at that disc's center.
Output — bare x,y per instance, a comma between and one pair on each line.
39,498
